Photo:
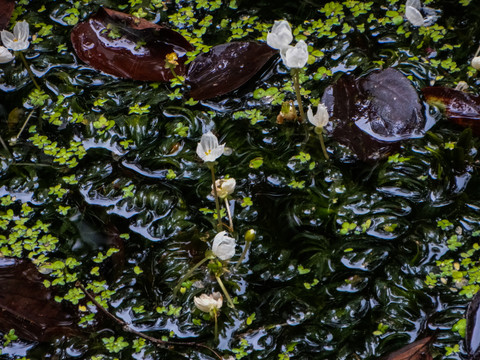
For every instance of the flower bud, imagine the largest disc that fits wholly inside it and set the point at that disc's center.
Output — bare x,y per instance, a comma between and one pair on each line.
476,63
223,246
224,187
250,235
207,303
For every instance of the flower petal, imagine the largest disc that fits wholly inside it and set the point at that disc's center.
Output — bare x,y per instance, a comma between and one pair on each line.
5,55
414,16
7,39
414,3
297,56
21,31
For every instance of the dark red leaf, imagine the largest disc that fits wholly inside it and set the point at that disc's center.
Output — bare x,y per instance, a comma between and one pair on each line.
461,108
472,333
6,9
418,350
371,115
226,67
28,307
128,47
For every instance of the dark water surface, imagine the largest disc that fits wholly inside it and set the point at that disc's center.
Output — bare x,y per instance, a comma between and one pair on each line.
369,233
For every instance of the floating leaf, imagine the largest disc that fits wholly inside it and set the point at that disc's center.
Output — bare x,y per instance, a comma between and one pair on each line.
128,47
461,108
472,333
372,114
226,67
418,350
28,307
6,9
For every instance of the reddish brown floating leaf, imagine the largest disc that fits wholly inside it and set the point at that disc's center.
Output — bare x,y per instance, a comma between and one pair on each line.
6,9
472,333
461,108
225,68
27,306
128,47
372,114
418,350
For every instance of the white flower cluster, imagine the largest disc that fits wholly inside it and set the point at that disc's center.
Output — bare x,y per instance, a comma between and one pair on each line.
16,41
280,38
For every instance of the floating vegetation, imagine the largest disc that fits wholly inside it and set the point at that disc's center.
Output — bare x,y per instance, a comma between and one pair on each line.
163,196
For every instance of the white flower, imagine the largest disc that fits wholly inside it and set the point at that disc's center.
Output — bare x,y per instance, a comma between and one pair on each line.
19,39
295,56
207,303
5,55
281,35
320,119
223,246
476,62
413,13
224,187
208,148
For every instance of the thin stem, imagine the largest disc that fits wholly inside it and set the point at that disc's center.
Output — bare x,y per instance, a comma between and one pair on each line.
478,51
5,146
127,327
30,73
244,253
229,213
296,83
319,131
188,274
225,292
211,165
14,140
215,314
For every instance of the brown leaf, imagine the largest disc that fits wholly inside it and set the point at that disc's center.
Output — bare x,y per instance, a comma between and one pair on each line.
226,67
371,115
6,9
418,350
472,333
28,307
460,108
128,47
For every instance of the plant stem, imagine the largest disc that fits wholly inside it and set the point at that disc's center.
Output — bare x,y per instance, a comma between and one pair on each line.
296,83
225,292
14,140
244,253
478,51
211,165
215,314
229,213
30,73
319,131
188,274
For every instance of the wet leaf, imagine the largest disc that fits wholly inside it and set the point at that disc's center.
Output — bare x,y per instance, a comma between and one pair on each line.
371,115
472,333
418,350
460,108
226,67
128,47
6,9
27,306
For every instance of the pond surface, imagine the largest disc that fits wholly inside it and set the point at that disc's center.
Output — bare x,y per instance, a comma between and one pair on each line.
104,189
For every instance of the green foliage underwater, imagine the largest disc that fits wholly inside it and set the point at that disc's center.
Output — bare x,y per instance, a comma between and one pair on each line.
108,217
